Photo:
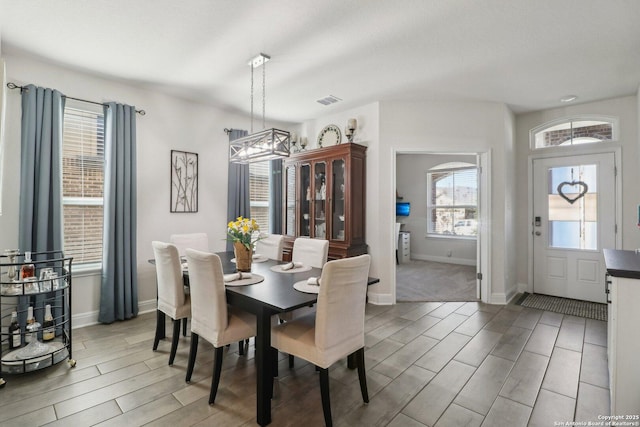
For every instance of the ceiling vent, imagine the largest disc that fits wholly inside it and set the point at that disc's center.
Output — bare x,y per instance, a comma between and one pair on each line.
328,100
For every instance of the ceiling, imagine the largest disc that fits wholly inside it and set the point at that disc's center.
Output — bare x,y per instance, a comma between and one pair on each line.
524,53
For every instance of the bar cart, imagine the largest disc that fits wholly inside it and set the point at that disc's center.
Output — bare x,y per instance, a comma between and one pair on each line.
35,311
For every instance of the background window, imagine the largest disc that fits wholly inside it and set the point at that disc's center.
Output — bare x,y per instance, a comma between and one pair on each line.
452,200
574,132
83,184
259,173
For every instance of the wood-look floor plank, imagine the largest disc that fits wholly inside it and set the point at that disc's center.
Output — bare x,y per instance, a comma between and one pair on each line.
399,361
89,417
438,357
422,359
433,400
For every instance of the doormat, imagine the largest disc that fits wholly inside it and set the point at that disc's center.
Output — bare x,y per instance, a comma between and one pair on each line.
572,307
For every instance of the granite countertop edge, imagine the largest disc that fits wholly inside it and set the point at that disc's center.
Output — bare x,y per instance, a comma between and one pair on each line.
622,263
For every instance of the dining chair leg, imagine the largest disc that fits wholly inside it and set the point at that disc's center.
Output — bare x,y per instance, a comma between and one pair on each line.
193,350
241,347
159,328
324,393
174,340
184,327
217,368
362,376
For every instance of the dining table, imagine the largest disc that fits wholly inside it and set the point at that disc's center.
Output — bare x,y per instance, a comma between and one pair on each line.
275,294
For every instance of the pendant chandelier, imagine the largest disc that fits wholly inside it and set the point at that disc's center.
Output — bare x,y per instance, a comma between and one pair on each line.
267,144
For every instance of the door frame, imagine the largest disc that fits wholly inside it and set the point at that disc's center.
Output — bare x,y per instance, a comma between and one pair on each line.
483,241
617,160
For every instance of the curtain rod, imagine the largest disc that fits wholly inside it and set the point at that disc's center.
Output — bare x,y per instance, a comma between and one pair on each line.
11,85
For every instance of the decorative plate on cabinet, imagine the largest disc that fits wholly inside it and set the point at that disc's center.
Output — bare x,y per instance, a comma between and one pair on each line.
330,135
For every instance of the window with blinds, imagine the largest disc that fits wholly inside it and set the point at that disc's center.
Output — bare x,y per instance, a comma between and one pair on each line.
83,184
452,201
259,173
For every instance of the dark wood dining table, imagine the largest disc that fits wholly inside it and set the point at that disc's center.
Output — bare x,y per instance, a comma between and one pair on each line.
275,294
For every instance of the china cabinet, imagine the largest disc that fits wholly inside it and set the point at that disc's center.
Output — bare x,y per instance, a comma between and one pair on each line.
325,198
41,287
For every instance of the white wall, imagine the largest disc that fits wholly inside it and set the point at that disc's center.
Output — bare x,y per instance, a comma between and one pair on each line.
411,184
454,127
170,123
626,109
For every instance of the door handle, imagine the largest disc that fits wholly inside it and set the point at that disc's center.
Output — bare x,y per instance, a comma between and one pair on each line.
538,233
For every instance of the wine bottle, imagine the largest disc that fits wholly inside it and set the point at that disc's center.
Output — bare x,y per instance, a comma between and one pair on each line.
14,332
30,321
27,269
48,327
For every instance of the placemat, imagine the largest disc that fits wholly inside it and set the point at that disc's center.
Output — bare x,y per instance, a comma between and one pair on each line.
278,269
303,286
256,258
255,278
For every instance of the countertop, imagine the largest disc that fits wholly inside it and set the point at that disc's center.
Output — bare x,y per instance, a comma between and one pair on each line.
621,263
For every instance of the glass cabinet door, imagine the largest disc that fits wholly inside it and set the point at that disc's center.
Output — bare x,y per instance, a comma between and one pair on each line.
290,228
320,200
337,199
305,198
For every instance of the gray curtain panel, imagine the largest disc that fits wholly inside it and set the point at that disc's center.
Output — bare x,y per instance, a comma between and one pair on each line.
238,201
275,197
40,226
119,291
40,223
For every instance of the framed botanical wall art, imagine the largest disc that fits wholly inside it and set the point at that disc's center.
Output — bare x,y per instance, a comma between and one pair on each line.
184,181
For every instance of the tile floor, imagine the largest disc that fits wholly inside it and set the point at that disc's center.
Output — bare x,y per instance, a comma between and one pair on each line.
428,364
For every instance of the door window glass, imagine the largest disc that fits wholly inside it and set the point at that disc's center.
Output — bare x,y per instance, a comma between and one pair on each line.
573,207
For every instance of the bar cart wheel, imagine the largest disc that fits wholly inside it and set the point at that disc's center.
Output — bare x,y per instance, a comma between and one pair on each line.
72,363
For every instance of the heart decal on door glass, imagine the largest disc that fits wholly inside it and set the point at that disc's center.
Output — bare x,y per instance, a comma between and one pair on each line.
583,190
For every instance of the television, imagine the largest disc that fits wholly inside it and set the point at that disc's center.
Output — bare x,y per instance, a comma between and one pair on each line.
403,208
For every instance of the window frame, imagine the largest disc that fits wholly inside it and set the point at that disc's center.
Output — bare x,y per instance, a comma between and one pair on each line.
430,206
91,266
613,121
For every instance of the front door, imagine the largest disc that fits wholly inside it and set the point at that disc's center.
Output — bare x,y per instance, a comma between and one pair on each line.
573,219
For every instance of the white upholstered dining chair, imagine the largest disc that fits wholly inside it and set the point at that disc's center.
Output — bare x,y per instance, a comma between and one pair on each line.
337,328
312,252
270,246
211,318
197,241
172,300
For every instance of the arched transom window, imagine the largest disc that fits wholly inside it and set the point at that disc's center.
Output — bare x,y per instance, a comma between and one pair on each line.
574,131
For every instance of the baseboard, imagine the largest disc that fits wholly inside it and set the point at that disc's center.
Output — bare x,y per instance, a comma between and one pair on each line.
499,298
380,299
448,260
91,317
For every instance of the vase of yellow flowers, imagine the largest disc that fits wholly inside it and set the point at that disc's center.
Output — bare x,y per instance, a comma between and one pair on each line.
241,232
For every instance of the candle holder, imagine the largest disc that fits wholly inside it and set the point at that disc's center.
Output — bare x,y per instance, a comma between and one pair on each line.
350,129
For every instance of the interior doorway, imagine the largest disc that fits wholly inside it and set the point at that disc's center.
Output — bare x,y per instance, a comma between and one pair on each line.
441,226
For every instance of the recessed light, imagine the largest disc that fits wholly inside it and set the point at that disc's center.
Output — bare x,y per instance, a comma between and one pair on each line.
569,98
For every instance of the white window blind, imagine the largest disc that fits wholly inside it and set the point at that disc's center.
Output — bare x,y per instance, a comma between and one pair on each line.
83,184
259,173
452,201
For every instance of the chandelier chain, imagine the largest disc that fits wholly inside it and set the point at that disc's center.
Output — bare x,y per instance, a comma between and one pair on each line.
264,91
251,65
